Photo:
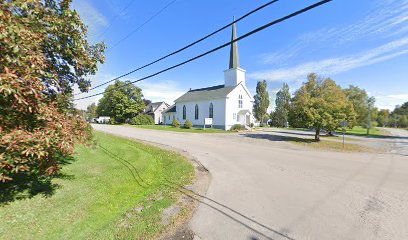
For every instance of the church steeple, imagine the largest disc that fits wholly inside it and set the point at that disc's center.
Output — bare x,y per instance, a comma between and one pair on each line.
235,74
234,56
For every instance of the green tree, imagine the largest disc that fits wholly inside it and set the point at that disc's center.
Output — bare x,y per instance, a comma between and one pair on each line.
279,117
321,104
121,101
142,119
358,97
371,115
403,121
91,111
44,54
400,116
383,118
261,101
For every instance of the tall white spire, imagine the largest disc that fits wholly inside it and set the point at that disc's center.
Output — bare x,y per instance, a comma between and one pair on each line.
234,75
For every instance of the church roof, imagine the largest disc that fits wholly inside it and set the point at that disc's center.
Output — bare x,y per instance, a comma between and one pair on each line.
234,56
154,105
208,93
170,109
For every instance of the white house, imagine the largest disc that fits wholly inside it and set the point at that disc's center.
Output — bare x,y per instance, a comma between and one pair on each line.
156,110
227,104
102,119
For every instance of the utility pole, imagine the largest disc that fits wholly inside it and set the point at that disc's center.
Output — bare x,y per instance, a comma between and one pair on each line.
368,116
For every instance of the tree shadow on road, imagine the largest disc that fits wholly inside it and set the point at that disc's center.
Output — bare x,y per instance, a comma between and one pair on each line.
219,207
273,137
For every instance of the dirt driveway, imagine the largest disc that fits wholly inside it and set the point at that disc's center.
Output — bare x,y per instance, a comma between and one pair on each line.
264,188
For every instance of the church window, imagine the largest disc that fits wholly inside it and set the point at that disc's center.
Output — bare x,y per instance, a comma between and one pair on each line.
240,101
196,112
234,116
211,111
184,112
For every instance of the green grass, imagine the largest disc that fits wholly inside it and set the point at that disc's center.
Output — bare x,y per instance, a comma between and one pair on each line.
357,130
174,129
360,131
331,145
99,198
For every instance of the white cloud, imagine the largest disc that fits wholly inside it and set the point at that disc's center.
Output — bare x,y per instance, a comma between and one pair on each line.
388,19
391,100
91,16
167,91
336,65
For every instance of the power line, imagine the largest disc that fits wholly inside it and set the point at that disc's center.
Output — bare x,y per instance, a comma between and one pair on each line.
186,47
142,25
310,7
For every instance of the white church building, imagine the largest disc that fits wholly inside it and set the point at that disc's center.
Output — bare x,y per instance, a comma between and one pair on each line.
227,104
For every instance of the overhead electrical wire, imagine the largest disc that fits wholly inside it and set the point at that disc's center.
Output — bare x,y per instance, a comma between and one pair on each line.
186,47
308,8
142,25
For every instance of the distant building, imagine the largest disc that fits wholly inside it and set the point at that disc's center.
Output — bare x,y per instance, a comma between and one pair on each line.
227,104
169,115
156,110
102,119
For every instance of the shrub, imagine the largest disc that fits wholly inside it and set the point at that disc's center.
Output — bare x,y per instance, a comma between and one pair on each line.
44,55
236,127
142,119
175,123
188,124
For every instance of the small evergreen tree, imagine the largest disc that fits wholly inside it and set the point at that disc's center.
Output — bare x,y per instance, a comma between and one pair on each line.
188,124
175,123
279,117
261,101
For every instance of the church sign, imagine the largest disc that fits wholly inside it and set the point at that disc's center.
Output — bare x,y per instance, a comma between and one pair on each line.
208,121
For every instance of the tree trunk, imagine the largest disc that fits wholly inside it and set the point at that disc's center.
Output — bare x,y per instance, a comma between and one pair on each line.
317,135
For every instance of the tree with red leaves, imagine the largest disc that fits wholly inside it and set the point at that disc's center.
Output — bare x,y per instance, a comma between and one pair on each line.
44,55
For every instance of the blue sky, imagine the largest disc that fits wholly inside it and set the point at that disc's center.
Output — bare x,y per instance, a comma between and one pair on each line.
364,43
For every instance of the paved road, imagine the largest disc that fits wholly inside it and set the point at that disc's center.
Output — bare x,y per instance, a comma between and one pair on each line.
400,144
264,188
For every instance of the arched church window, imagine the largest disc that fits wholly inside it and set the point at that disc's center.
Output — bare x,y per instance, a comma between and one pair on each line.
184,112
196,112
211,111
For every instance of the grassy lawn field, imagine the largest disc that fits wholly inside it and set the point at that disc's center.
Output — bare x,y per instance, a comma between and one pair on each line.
117,189
332,145
174,129
357,130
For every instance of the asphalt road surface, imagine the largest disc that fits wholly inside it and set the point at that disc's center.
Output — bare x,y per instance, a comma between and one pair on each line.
264,188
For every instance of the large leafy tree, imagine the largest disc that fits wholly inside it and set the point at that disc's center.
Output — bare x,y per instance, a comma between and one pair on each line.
91,111
280,116
261,101
121,101
400,116
321,104
358,97
43,55
383,118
